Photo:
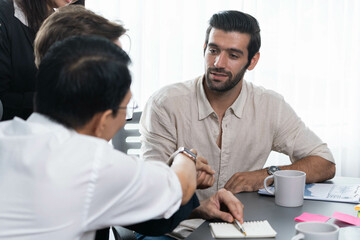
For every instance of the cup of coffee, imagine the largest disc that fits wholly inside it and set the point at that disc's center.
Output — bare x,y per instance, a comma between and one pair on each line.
316,231
289,186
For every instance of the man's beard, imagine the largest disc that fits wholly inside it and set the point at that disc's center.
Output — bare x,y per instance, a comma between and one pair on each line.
228,84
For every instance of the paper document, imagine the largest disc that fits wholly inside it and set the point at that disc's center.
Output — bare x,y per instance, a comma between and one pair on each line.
254,229
329,192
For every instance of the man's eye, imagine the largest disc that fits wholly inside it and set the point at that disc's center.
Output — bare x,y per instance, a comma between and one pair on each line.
212,50
234,56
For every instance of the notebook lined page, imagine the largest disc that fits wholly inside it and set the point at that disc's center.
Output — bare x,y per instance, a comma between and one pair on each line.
253,229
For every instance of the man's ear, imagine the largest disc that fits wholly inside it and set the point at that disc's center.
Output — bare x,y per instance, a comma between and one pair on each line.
254,61
102,123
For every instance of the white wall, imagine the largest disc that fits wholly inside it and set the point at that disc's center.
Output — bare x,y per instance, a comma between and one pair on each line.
310,54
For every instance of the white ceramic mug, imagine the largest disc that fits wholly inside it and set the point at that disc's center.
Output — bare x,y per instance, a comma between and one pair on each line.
289,186
316,231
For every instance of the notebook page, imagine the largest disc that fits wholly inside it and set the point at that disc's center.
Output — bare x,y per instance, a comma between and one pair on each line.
254,229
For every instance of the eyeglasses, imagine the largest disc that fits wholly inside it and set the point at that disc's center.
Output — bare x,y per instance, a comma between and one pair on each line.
125,42
132,105
73,1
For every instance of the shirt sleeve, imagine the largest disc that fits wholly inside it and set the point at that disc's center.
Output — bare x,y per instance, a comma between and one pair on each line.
128,190
17,68
161,226
294,138
158,132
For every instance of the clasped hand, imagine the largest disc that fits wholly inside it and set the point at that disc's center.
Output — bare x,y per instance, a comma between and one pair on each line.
205,174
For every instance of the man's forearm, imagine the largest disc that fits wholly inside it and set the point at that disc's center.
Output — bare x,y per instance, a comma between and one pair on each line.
317,169
185,170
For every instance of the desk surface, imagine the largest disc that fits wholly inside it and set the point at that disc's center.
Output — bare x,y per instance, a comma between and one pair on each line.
260,207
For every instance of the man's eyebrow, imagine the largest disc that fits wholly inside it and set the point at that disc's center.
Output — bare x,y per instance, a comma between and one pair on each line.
228,49
236,50
213,45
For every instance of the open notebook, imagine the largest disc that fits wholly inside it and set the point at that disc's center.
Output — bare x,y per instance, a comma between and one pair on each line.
253,229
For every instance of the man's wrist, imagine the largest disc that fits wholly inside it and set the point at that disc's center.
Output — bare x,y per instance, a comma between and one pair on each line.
272,169
185,151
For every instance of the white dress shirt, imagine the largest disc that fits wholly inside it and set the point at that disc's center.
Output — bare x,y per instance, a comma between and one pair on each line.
58,184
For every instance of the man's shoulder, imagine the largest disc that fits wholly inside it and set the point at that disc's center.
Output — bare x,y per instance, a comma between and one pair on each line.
176,91
263,93
5,126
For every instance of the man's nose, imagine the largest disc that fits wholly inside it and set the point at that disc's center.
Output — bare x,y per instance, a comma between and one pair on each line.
220,60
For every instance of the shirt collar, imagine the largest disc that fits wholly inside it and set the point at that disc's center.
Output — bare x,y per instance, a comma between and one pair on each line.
238,106
205,108
19,14
44,123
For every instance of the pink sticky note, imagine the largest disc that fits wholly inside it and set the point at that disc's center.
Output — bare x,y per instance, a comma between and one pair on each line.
309,217
346,218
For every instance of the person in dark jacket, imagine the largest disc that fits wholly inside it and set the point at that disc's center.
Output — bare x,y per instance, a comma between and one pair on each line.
19,23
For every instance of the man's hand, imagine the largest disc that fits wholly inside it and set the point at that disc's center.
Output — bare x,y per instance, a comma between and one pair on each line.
212,208
246,181
317,169
205,174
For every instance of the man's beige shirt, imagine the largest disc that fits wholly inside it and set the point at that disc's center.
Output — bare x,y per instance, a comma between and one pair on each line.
258,122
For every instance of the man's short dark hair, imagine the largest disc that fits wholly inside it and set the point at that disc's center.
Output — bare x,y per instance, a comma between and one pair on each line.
72,21
235,21
79,77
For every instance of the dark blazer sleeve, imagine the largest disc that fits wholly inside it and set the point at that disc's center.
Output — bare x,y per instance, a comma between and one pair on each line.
161,226
5,56
17,67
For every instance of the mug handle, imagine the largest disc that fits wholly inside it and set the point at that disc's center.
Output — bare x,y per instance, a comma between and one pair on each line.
265,184
298,236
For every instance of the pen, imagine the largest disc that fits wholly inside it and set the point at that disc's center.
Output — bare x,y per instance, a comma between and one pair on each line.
239,227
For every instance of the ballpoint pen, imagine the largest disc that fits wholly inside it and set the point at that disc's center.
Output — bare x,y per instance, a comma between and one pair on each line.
239,227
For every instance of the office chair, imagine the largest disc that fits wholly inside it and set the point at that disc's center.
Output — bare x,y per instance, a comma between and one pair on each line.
127,140
121,233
